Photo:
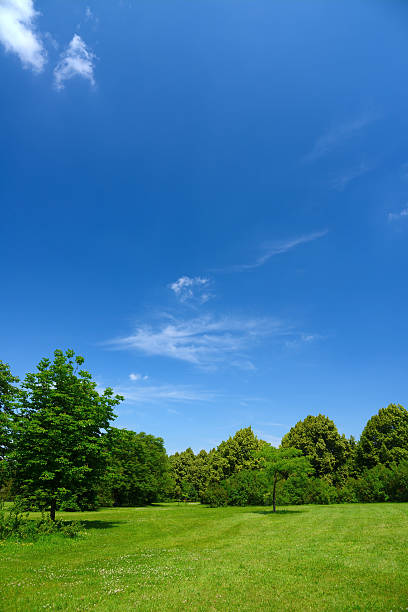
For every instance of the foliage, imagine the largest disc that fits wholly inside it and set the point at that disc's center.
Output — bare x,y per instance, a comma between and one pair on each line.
318,439
215,495
238,452
279,464
246,488
384,439
8,398
194,474
320,491
58,448
136,468
15,524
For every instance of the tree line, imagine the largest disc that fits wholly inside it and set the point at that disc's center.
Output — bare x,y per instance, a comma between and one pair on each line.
59,451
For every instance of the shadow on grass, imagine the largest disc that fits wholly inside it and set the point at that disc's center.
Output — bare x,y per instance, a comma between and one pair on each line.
278,511
100,524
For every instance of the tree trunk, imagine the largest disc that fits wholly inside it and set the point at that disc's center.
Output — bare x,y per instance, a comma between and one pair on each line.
274,494
53,508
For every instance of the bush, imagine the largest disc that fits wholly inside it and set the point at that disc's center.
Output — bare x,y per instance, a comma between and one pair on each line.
246,488
397,482
215,496
292,490
347,493
373,484
15,525
319,491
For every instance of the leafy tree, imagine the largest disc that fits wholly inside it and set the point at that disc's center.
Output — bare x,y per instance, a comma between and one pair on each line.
8,398
238,451
183,472
279,464
384,439
137,467
246,488
58,447
318,438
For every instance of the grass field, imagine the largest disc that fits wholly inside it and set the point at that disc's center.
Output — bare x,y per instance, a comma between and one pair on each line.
188,557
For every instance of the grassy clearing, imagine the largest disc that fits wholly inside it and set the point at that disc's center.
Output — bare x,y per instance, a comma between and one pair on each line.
175,557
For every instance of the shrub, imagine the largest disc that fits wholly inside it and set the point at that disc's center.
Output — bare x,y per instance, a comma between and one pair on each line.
319,491
246,488
215,496
15,525
397,483
373,484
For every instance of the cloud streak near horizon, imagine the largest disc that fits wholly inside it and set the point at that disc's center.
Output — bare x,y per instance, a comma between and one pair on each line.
202,341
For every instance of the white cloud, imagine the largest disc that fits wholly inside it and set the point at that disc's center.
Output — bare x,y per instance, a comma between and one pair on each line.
77,60
194,289
337,136
202,341
136,377
164,393
18,34
340,182
276,248
399,215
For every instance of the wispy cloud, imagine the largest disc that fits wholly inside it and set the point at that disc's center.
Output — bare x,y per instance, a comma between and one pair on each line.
77,60
337,136
402,214
275,248
136,377
164,393
341,181
192,289
202,341
18,33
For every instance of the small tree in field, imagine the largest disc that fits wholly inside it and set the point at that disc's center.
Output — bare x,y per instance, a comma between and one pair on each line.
58,446
280,463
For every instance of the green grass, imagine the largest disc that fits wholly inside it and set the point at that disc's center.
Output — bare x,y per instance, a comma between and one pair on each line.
188,557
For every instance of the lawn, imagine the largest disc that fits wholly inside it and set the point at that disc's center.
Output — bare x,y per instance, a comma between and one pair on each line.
189,557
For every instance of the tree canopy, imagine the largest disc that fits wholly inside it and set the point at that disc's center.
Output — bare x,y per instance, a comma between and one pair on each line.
280,463
318,438
58,446
384,439
136,467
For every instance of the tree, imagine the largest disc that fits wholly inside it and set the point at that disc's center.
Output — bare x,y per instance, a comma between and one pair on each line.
58,448
384,439
318,438
137,467
8,398
238,451
280,463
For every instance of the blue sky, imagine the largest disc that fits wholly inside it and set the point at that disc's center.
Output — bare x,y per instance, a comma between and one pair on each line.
209,201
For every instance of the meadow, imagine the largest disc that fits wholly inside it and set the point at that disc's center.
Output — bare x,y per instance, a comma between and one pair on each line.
190,557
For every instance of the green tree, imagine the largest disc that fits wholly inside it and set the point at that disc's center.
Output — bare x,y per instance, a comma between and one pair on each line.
318,438
238,451
384,439
58,447
182,470
280,463
8,399
137,467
